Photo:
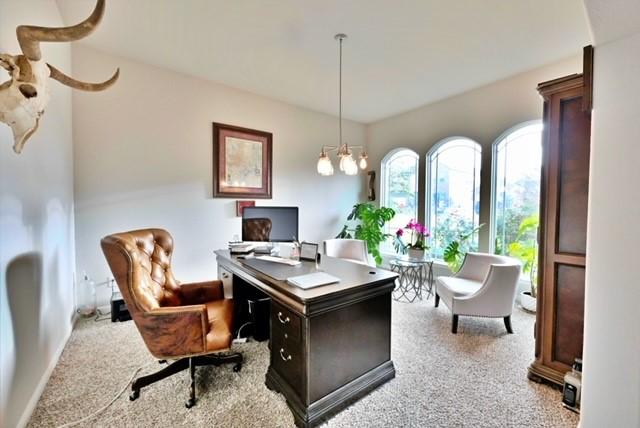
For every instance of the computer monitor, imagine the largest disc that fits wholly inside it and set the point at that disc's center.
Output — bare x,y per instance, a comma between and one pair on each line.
270,224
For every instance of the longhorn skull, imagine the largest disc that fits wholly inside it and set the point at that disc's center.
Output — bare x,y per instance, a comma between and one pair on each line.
24,97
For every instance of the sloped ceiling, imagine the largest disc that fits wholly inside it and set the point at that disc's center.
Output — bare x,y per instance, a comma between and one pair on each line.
399,54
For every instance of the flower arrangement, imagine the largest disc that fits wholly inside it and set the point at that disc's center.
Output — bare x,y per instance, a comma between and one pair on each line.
417,237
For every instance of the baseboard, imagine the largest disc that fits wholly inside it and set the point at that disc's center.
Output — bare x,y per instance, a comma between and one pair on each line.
37,393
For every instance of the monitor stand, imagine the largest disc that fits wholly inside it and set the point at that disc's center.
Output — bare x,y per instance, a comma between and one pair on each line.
264,248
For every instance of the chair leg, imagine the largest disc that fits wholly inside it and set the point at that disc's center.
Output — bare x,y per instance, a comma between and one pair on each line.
507,324
437,300
454,324
169,370
192,393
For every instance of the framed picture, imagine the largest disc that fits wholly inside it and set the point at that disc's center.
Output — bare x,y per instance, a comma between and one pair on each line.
241,205
308,251
241,162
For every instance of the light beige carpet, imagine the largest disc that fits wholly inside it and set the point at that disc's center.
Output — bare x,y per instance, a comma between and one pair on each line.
476,378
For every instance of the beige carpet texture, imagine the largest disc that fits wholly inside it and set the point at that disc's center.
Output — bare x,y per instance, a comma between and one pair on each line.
477,378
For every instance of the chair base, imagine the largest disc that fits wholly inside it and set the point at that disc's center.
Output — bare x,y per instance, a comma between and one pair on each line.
182,364
454,322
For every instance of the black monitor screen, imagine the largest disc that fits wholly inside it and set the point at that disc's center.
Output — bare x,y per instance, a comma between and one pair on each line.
274,224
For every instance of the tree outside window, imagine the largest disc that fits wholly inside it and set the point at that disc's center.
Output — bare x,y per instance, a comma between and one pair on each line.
453,192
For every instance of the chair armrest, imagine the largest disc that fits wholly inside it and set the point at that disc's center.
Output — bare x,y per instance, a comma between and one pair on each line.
198,293
174,331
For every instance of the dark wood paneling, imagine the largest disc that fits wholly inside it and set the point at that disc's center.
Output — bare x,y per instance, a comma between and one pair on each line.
569,313
574,177
338,355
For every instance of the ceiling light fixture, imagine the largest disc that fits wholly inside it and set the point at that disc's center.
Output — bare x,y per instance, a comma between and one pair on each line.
347,163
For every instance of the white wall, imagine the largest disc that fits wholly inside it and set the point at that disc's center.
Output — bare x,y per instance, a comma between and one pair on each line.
36,231
481,114
611,379
143,158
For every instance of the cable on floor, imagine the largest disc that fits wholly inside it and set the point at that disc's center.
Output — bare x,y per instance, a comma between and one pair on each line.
106,406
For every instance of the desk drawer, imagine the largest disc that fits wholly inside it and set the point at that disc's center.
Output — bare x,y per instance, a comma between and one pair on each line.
286,321
287,358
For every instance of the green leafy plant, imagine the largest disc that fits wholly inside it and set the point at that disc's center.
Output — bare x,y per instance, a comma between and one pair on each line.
525,248
369,227
455,251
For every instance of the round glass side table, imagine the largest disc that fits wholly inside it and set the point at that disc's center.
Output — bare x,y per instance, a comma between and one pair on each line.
415,275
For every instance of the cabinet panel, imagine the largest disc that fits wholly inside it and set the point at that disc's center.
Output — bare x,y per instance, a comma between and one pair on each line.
573,177
569,313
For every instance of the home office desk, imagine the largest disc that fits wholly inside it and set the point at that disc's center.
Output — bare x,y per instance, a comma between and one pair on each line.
330,345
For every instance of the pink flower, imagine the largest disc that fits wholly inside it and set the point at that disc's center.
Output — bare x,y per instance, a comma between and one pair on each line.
399,232
412,224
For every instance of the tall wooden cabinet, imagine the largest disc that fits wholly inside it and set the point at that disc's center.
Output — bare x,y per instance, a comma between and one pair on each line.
563,228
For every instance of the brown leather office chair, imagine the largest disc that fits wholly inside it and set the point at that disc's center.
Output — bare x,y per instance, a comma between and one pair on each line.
186,323
256,229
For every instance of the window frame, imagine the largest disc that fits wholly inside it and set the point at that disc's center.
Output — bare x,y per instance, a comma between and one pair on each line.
494,171
390,156
428,175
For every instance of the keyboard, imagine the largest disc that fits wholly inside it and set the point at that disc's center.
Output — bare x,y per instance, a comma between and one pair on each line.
278,260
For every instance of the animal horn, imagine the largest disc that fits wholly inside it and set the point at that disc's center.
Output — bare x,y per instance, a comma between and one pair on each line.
30,36
84,86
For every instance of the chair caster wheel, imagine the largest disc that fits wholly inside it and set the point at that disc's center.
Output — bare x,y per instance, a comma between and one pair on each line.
134,395
190,403
237,367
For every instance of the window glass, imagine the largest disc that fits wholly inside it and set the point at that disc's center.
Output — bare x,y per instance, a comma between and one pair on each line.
453,193
517,161
399,189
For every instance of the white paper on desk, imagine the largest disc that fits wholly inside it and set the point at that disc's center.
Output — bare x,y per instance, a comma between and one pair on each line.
311,280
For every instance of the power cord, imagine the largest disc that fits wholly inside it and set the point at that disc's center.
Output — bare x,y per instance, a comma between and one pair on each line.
106,406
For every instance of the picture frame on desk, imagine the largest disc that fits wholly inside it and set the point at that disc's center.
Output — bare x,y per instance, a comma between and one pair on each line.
241,162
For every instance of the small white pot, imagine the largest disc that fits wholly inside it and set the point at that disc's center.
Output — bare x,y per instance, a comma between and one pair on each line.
416,254
528,303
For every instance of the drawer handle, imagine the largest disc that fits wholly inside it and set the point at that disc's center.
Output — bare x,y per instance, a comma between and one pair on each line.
283,321
287,358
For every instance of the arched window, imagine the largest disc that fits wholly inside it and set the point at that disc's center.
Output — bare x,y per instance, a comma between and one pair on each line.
453,192
515,198
399,188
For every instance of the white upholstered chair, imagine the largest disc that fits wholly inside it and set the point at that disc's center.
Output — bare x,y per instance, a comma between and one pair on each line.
353,250
484,286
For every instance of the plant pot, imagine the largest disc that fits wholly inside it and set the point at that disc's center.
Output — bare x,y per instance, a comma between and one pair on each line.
528,303
415,254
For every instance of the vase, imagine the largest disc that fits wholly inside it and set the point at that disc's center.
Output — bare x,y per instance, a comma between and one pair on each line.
528,303
416,254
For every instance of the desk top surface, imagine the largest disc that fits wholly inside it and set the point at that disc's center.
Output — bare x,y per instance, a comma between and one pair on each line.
353,276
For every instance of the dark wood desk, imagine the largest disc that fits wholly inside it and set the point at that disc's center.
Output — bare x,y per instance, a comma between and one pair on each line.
330,345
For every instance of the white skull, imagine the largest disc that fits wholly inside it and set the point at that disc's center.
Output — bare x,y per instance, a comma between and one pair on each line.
24,97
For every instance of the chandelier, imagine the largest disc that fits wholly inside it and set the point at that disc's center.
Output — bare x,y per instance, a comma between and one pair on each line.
347,163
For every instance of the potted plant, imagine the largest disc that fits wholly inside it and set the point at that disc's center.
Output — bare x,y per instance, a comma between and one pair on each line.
369,228
525,248
456,250
416,246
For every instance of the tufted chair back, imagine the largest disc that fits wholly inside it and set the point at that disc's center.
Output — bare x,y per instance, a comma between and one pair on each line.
141,263
256,229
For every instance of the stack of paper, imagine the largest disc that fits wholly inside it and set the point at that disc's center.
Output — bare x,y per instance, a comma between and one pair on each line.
311,280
